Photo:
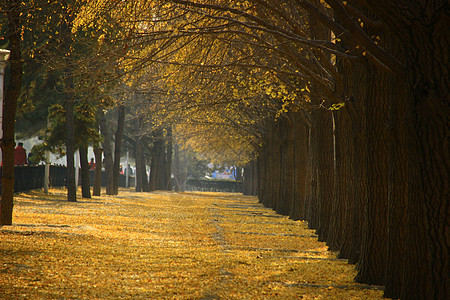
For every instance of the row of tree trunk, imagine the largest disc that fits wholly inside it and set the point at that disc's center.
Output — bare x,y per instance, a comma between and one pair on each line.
372,177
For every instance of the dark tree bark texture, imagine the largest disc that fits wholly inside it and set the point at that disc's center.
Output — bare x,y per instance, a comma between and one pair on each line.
85,181
118,149
9,113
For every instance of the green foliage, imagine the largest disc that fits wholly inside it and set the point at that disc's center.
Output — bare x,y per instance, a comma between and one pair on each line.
86,134
197,166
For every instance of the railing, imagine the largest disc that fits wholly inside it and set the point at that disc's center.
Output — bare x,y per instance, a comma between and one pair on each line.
228,186
32,177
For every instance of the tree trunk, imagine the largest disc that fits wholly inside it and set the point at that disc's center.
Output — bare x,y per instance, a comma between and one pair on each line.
428,201
263,159
9,113
85,181
274,165
398,181
255,171
118,148
372,264
98,152
107,150
169,153
310,183
70,143
342,181
138,158
177,169
300,164
247,182
144,175
156,164
325,170
287,190
351,156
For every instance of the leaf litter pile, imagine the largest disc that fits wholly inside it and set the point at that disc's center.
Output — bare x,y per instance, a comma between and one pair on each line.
165,245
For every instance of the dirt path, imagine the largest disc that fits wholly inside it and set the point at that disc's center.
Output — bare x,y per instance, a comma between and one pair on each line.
165,246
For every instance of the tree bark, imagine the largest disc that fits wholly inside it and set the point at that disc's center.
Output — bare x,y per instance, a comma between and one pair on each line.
98,153
247,182
287,178
177,169
144,175
300,163
85,181
138,157
255,172
274,165
118,149
157,165
9,113
428,78
372,264
325,170
109,163
70,142
169,153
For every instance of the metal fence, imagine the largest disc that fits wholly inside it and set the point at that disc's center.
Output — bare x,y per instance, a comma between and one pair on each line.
32,177
228,186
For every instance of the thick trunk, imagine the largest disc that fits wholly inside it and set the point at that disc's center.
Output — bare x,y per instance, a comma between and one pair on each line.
98,152
261,176
156,168
351,157
372,264
275,166
287,178
107,150
310,184
325,170
177,169
85,182
138,159
430,117
300,164
9,113
144,175
118,148
254,184
263,159
248,179
169,153
70,145
398,183
343,183
139,153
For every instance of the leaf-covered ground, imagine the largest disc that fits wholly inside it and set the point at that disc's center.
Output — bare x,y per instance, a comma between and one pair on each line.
165,246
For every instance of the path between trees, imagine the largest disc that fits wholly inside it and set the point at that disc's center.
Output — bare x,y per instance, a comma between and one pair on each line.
166,246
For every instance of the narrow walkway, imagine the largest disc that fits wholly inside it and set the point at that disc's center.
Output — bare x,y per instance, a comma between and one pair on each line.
166,246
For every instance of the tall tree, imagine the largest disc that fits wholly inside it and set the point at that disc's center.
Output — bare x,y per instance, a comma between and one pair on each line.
118,148
13,11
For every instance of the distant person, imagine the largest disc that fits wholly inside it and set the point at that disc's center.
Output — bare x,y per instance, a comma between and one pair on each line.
20,155
92,164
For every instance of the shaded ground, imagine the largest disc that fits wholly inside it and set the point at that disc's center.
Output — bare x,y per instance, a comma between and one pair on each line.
165,246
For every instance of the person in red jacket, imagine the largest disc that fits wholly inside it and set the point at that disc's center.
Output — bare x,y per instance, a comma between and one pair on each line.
20,155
